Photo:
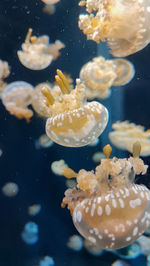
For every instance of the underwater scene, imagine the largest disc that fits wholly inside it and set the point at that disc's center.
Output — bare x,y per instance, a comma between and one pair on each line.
75,133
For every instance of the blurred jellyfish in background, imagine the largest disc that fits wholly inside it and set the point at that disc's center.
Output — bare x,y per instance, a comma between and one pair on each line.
30,233
125,134
120,263
43,142
97,156
57,167
16,97
75,243
10,189
93,249
47,261
37,53
132,251
4,73
34,209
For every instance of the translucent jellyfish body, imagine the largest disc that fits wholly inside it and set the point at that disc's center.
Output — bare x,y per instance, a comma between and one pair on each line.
100,74
125,134
30,233
4,73
109,20
73,121
37,53
107,208
10,189
16,97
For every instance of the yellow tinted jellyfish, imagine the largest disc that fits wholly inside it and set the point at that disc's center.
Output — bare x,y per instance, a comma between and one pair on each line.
107,207
73,121
37,53
125,134
100,74
124,24
16,97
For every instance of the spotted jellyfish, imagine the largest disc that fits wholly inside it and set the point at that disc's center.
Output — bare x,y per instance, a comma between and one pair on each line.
37,53
16,97
124,24
107,207
73,121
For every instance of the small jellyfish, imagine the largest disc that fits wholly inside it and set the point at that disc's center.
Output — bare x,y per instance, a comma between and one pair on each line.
10,189
125,134
1,152
34,209
94,143
57,167
30,233
4,73
124,24
120,263
125,71
50,1
47,261
43,142
73,121
75,243
16,97
107,208
37,53
97,156
144,242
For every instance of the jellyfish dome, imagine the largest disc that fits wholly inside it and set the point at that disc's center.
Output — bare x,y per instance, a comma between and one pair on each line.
73,121
107,207
109,20
16,97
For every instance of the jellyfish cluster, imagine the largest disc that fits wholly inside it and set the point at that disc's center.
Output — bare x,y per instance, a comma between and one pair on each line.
100,74
108,209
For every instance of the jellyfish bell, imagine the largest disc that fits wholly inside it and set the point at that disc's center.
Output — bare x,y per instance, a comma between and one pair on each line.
107,208
109,20
125,71
73,121
16,97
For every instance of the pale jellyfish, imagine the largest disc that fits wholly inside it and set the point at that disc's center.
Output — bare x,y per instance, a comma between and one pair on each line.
57,167
43,142
73,121
10,189
47,261
124,24
107,207
125,134
16,97
75,242
4,73
37,53
34,209
125,71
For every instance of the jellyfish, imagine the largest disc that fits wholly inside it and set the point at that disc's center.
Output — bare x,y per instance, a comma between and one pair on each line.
50,1
10,189
92,249
30,233
57,167
124,24
43,142
75,243
73,121
34,209
120,263
100,74
37,53
47,261
144,243
107,207
125,134
4,73
16,97
132,251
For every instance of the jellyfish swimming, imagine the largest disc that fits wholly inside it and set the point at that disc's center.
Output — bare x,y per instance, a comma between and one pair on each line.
107,207
16,97
30,233
10,189
125,134
37,53
73,121
100,74
109,20
4,73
